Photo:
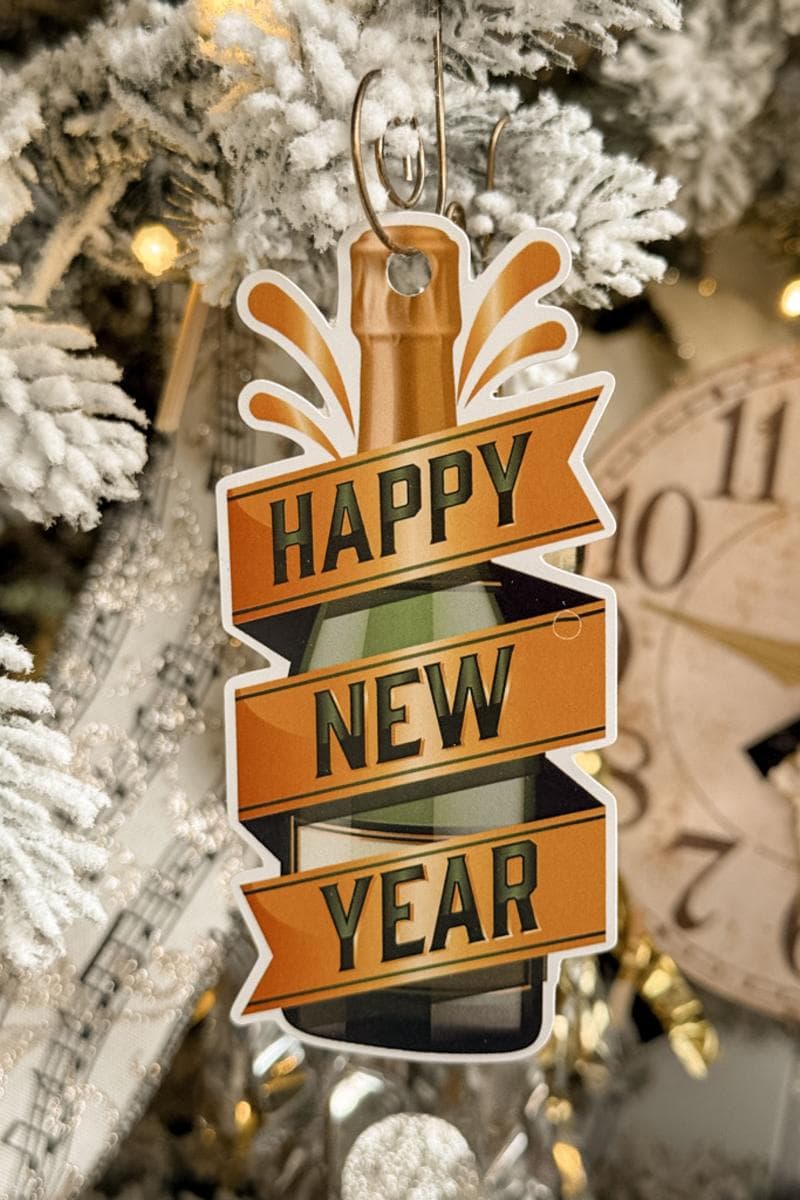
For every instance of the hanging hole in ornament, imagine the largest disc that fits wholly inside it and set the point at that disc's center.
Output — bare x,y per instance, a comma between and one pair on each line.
408,274
567,625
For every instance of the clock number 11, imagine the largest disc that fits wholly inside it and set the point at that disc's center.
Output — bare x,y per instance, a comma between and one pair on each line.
772,429
682,508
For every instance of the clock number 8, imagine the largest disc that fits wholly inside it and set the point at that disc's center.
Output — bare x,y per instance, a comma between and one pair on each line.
628,776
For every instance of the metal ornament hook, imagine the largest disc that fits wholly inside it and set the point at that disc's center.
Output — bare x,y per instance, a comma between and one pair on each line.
491,164
358,167
418,178
441,143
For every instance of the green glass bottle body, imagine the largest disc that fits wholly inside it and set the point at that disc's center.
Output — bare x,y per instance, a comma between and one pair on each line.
487,1011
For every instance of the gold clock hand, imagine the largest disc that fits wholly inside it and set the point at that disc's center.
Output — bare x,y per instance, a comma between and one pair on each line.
781,659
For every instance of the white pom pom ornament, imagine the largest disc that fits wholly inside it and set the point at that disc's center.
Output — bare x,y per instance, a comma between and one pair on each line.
410,1157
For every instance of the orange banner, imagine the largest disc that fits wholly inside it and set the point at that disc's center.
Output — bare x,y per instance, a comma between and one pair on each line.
464,903
462,703
415,509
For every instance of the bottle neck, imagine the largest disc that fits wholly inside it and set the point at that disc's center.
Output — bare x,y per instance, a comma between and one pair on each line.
407,383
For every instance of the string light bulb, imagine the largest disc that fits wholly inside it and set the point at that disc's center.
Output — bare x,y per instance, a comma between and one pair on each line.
204,1006
242,1113
155,248
208,13
589,761
789,303
571,1169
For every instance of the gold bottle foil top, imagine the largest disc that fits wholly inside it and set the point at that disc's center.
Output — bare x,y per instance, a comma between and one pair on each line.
407,376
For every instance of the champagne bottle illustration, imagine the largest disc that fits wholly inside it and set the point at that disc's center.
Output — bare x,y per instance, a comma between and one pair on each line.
371,587
408,389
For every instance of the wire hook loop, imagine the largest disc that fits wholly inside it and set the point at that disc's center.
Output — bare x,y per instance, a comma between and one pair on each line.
418,178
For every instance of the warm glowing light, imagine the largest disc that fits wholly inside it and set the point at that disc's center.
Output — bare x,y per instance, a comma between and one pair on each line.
589,761
558,1110
707,286
690,1055
790,299
209,12
671,276
155,248
204,1005
560,1027
570,1168
242,1113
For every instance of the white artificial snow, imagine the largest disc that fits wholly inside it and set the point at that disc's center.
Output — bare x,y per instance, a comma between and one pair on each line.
44,813
698,91
20,118
523,36
553,170
253,124
286,139
68,436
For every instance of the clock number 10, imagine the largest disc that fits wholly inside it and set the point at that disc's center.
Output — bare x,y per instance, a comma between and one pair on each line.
662,571
685,513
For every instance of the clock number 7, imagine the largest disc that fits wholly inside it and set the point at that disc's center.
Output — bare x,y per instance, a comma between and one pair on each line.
773,428
719,848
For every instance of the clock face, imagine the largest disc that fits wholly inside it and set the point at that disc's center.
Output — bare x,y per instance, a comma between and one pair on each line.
706,563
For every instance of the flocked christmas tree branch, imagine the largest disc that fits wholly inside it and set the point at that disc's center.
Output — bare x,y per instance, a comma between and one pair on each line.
68,433
67,238
255,117
702,101
45,812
